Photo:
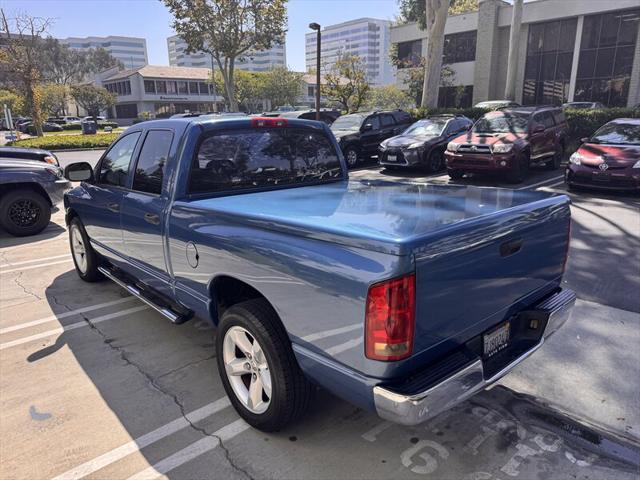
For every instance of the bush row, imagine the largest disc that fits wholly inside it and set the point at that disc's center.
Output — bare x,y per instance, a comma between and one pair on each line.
63,142
77,126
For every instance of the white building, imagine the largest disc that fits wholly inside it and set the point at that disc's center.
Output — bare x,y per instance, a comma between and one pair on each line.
255,61
131,51
368,38
568,51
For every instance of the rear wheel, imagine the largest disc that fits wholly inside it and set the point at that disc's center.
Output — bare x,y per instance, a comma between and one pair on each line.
556,160
24,212
84,256
455,174
352,156
258,368
520,170
435,161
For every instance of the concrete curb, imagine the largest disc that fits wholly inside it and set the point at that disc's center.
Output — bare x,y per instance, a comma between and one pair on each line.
80,149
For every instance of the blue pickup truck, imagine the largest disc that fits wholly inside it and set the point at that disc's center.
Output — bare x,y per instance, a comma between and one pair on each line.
402,299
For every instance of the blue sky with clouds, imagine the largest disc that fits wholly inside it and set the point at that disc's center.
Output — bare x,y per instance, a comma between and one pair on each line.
150,19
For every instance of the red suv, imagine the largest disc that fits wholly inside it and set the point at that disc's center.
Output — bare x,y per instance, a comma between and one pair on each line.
509,141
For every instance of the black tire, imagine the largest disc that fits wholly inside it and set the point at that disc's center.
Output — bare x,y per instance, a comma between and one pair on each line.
290,390
556,160
352,156
392,168
455,174
88,272
520,172
435,161
24,212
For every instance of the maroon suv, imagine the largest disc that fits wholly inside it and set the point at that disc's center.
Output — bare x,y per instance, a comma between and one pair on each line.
509,141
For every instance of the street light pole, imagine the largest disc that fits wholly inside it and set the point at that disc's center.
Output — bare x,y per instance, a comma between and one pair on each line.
316,27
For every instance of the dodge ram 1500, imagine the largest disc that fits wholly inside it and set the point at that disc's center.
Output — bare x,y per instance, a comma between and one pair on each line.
403,299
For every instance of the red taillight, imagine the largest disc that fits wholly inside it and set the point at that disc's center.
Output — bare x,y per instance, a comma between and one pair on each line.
390,319
266,122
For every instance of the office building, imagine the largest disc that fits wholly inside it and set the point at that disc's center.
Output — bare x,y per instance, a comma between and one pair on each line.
131,51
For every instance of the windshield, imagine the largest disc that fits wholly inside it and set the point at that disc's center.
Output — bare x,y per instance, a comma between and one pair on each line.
348,122
500,122
618,134
426,128
249,159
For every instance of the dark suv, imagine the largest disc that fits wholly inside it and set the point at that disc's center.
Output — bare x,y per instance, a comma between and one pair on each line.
509,141
359,134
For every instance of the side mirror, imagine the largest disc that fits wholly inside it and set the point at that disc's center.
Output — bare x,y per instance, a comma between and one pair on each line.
538,128
79,172
366,127
584,139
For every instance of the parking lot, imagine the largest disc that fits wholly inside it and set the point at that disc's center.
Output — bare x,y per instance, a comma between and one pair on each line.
95,384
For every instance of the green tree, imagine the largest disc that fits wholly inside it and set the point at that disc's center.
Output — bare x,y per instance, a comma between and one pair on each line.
93,99
389,97
346,83
283,86
414,10
13,101
21,59
228,30
249,89
53,98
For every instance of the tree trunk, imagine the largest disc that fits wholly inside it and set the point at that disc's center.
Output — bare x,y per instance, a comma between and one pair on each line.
436,12
230,86
514,46
32,100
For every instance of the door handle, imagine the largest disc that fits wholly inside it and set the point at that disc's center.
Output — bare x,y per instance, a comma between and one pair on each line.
511,247
114,207
152,218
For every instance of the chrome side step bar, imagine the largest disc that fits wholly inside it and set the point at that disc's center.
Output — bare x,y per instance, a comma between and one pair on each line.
167,312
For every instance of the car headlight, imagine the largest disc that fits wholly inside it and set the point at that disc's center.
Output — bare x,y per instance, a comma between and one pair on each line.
502,148
415,145
56,172
453,146
636,165
576,159
383,145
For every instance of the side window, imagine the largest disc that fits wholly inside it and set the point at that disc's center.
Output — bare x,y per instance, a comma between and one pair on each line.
547,120
537,120
151,161
387,120
374,120
114,167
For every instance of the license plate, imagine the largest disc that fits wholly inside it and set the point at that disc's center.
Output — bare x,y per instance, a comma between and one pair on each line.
602,177
392,158
496,340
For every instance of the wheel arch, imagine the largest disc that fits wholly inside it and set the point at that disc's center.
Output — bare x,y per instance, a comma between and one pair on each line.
36,187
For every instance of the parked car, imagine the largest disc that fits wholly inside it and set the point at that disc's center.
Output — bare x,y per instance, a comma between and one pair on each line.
609,159
21,122
496,104
583,105
403,299
360,134
510,141
423,143
326,115
29,154
46,127
29,191
89,118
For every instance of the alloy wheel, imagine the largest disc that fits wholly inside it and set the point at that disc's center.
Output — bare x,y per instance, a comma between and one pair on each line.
24,213
78,248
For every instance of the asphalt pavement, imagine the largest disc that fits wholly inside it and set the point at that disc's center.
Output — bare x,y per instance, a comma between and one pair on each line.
95,384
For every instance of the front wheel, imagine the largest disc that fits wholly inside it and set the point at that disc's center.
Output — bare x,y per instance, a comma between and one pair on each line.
258,368
24,212
520,169
84,256
435,161
556,160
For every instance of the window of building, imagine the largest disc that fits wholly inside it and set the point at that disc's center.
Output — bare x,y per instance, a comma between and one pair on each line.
311,91
460,96
129,110
183,88
193,88
149,86
204,88
459,47
409,54
114,167
151,161
161,86
606,57
171,88
548,64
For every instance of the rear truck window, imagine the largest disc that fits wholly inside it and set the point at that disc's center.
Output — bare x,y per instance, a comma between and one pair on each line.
262,158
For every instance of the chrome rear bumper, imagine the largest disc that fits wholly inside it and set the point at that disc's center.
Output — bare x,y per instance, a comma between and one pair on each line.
419,407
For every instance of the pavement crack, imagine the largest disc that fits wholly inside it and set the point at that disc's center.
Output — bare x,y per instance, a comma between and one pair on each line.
186,365
154,384
25,290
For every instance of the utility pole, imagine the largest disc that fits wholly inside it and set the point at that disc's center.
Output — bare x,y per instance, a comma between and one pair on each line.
514,46
316,27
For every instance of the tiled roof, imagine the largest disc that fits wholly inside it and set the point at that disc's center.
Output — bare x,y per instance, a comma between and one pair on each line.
159,71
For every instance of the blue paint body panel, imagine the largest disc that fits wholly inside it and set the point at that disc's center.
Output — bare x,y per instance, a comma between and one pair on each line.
313,251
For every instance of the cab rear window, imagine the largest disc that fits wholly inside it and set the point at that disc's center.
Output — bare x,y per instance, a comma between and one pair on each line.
261,158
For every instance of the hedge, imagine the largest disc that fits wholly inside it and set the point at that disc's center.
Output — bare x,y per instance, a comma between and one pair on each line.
77,126
63,142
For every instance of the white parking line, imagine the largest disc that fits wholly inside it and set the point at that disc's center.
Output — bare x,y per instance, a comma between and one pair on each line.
143,441
344,346
192,451
31,267
73,326
59,316
15,264
540,183
330,333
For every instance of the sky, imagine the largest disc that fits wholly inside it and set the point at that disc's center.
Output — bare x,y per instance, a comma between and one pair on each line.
150,19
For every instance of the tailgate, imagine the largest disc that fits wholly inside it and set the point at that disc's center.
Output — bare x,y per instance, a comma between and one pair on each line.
479,273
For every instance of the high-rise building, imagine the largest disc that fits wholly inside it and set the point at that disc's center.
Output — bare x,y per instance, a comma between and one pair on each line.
131,51
256,61
368,38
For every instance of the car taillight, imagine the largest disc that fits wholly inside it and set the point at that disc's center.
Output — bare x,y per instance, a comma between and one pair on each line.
267,122
390,319
51,159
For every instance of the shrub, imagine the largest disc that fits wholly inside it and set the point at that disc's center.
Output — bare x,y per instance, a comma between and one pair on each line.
63,142
472,113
